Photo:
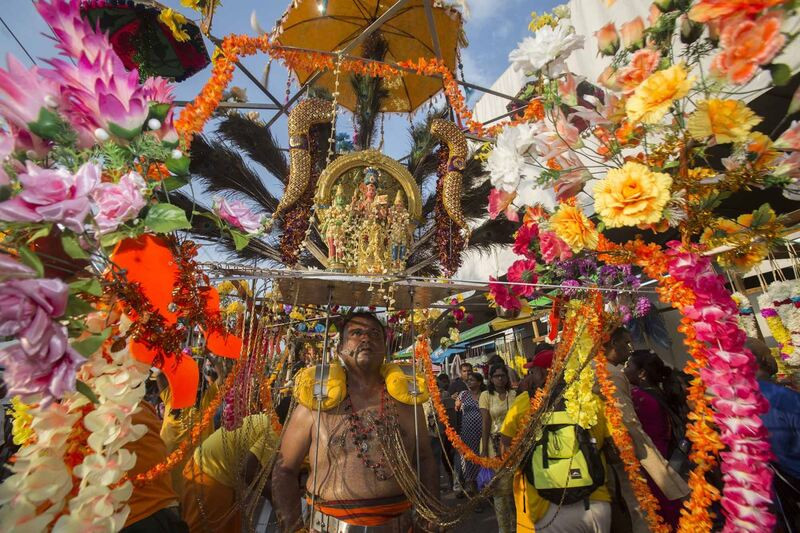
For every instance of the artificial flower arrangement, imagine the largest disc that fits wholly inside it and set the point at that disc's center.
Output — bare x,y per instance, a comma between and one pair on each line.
88,154
634,150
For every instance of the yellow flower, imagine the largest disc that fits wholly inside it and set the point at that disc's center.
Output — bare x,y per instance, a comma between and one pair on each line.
191,4
719,229
725,120
226,287
653,97
632,195
21,430
572,226
701,173
174,21
234,308
745,257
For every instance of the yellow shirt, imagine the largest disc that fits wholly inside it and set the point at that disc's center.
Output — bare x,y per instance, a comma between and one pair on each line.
497,412
222,455
530,506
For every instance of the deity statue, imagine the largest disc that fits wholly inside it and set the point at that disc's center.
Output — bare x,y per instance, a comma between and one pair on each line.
373,251
400,233
369,190
333,227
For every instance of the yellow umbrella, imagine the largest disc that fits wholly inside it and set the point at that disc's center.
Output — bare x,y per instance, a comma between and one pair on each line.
306,25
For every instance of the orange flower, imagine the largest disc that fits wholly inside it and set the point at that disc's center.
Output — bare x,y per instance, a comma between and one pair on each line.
572,226
708,10
643,63
607,39
632,33
654,96
746,45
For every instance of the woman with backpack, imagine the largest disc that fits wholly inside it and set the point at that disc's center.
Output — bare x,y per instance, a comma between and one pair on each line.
494,404
661,408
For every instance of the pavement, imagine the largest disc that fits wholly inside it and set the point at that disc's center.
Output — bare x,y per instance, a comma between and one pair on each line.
473,522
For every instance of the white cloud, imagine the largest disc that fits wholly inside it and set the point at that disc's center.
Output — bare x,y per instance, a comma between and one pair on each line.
474,72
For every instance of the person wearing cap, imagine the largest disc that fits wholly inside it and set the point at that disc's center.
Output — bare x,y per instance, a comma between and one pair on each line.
534,513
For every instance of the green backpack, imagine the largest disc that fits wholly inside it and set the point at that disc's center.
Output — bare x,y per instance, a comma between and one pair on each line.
564,465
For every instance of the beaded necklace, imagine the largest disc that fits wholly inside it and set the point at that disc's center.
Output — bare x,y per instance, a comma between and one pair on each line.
364,432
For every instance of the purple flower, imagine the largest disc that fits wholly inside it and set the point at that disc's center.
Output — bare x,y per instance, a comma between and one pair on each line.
625,311
568,285
118,202
27,99
49,372
52,195
642,307
238,215
10,268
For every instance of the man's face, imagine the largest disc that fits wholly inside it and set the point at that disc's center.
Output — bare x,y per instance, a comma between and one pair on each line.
465,371
623,348
363,344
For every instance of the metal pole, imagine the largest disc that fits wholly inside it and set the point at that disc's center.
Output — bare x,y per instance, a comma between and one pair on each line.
414,371
319,402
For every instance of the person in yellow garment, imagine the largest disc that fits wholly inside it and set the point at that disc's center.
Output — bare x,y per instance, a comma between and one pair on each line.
534,513
178,423
211,476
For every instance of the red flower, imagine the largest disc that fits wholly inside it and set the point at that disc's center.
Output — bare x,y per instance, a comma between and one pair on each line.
526,241
502,296
523,271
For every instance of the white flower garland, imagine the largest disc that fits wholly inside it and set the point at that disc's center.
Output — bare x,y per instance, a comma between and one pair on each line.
747,319
40,474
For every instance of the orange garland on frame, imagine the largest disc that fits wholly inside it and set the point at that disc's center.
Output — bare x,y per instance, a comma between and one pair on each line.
706,445
197,112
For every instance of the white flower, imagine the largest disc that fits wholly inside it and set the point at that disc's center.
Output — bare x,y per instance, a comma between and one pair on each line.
548,47
562,11
509,161
530,193
105,470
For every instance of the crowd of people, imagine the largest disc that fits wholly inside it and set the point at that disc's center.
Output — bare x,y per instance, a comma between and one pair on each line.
332,460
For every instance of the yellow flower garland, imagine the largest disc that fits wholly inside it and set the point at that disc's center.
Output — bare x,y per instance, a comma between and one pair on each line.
580,401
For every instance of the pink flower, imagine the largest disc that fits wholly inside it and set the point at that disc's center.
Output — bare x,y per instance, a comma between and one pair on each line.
525,240
642,63
118,202
28,100
746,45
238,215
500,201
633,33
790,139
157,90
553,248
608,78
523,271
502,296
52,195
10,268
607,39
568,89
40,360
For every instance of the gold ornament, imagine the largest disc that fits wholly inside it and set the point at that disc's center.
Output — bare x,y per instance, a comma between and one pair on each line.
452,188
304,115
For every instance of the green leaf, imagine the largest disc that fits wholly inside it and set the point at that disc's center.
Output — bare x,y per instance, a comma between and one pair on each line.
92,343
761,216
110,239
173,182
41,232
84,389
240,239
781,74
77,306
89,286
72,247
601,227
32,260
163,218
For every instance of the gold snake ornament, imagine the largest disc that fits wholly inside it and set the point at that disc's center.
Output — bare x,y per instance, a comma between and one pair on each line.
452,187
304,115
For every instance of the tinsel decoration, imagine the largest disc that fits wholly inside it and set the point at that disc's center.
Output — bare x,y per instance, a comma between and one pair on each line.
449,241
297,218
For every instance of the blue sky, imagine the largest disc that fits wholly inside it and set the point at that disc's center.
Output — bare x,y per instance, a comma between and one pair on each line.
493,30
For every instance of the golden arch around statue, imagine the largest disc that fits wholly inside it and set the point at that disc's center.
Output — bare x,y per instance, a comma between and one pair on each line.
367,206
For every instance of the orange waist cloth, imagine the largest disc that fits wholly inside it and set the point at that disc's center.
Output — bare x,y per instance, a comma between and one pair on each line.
150,451
218,512
370,512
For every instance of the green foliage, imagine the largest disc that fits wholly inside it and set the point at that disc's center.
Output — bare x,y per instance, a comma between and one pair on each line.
163,218
92,343
72,247
32,260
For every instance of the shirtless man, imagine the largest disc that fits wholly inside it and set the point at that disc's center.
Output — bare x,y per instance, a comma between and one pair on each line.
354,485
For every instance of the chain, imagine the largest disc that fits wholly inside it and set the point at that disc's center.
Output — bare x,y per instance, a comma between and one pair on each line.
332,137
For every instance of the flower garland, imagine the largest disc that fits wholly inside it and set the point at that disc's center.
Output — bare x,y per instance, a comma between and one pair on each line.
717,346
75,448
747,319
580,401
422,351
783,336
234,47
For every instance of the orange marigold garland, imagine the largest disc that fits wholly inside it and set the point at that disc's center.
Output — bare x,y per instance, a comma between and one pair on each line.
197,112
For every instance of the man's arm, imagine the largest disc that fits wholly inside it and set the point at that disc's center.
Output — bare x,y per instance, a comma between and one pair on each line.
294,448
